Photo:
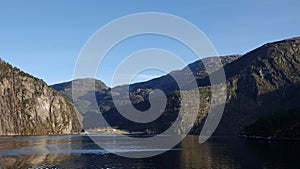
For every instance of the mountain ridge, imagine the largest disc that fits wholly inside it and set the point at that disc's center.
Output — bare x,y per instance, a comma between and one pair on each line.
140,91
259,82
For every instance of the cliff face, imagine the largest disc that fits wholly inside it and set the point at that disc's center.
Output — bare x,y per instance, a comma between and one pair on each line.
29,107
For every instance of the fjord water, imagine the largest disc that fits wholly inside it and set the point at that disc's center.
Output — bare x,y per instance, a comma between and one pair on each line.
79,151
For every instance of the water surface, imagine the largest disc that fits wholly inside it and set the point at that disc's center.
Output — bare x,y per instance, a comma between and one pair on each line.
79,151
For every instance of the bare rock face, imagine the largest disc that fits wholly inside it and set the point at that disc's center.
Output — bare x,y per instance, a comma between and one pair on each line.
29,107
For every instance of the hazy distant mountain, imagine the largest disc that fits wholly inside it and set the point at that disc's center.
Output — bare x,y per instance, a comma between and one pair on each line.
85,94
29,107
84,98
87,84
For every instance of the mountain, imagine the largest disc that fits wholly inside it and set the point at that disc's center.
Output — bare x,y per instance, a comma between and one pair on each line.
259,83
86,83
84,99
138,92
263,81
29,107
86,92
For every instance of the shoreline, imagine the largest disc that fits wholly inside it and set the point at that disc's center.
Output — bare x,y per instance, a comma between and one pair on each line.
269,138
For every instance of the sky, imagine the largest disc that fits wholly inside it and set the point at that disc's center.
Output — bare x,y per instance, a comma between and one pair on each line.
44,38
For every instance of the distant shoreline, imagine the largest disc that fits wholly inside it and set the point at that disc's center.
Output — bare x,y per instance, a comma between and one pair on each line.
269,138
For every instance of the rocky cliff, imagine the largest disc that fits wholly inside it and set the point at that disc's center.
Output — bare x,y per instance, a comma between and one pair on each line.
29,107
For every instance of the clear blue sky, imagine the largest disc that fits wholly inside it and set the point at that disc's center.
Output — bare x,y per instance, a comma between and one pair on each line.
44,38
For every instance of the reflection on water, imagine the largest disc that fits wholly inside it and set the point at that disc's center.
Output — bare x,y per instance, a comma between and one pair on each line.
79,151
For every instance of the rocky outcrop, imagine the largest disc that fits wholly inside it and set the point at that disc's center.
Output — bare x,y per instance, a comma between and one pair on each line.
29,107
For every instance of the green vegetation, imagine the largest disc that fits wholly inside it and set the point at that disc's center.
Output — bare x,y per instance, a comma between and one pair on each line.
277,125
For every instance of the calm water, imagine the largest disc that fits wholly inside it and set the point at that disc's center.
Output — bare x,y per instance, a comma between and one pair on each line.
79,151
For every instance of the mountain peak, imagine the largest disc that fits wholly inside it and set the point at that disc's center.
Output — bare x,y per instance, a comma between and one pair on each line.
85,83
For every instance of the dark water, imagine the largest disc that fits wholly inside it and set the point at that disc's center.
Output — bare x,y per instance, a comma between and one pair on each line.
79,151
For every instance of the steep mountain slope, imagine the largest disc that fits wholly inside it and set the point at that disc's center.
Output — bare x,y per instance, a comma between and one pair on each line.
29,107
261,82
138,92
